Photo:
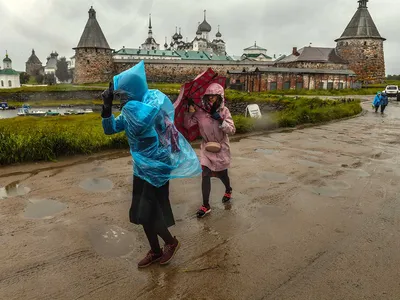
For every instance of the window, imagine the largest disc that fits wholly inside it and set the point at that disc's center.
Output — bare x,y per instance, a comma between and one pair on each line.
330,85
9,83
341,85
299,86
321,85
273,86
88,62
2,83
286,85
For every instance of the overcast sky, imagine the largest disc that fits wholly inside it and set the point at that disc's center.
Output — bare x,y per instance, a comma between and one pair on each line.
48,25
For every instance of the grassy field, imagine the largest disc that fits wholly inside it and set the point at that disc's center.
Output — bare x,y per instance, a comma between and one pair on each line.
34,138
56,103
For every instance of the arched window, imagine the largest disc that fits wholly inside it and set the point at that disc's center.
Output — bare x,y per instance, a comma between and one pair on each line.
9,83
2,83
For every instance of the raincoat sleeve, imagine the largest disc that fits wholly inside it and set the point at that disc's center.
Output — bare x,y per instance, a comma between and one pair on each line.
113,125
377,100
228,126
190,120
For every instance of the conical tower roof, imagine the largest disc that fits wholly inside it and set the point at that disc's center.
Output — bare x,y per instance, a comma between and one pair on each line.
361,25
33,59
92,36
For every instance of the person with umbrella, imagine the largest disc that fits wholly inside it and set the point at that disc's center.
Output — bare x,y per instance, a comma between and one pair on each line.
215,122
160,153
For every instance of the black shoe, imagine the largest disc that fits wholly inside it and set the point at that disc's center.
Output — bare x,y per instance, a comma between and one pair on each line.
227,197
203,211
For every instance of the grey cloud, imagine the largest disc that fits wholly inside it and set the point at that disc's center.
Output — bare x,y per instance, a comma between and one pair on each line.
275,25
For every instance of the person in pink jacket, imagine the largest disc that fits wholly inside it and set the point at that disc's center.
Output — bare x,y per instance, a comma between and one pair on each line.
215,124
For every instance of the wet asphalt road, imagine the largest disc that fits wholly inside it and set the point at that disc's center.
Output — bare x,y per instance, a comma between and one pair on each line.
315,215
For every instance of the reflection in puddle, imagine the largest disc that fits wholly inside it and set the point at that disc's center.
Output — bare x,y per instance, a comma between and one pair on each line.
13,189
97,185
309,163
275,177
111,240
40,209
325,173
265,151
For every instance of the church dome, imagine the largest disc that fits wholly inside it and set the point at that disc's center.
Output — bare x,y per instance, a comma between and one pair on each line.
6,59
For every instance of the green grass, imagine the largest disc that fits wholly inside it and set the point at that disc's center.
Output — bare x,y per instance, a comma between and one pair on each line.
25,139
52,88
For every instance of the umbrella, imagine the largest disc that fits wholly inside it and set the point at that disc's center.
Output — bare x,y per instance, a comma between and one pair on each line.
194,90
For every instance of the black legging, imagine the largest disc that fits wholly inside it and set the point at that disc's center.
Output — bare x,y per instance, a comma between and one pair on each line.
154,230
206,183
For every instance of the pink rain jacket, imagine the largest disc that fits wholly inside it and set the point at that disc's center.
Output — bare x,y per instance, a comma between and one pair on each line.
212,131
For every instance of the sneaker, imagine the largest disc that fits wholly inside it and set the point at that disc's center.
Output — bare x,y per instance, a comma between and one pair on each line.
169,252
203,211
227,197
150,258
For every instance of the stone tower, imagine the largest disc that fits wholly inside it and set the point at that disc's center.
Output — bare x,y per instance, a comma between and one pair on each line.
33,66
93,55
362,46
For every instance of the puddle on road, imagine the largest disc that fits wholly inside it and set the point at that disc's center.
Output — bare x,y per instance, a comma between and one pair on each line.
97,185
98,169
275,177
43,209
13,189
359,173
111,240
325,173
309,163
341,185
265,151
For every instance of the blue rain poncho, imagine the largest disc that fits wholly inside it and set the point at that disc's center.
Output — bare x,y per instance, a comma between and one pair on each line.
160,153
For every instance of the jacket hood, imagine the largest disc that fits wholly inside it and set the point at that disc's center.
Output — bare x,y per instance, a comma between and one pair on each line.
131,84
215,89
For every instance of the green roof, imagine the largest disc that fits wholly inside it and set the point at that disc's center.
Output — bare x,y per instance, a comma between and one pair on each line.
192,55
256,55
8,72
132,51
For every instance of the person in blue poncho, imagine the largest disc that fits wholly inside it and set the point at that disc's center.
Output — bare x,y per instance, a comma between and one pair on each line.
384,101
160,153
377,101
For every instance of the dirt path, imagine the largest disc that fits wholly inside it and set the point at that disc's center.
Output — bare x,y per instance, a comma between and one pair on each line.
315,215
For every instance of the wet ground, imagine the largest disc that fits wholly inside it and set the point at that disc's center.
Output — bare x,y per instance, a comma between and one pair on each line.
315,215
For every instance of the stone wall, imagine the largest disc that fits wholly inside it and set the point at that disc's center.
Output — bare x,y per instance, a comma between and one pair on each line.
183,71
366,58
313,65
93,65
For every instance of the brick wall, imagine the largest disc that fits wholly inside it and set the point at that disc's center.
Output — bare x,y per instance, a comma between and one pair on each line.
365,56
313,65
92,65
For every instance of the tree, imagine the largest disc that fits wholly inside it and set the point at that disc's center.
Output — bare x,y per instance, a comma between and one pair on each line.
24,77
50,79
62,70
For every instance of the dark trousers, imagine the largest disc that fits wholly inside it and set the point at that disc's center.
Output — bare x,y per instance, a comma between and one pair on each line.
376,108
383,108
206,183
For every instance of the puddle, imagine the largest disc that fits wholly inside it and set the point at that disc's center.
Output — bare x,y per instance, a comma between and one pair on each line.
43,209
326,191
265,151
98,169
97,185
111,240
325,173
341,185
309,163
13,189
360,173
275,177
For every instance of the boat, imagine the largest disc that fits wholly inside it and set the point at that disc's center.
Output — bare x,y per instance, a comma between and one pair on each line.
4,106
88,111
25,112
52,113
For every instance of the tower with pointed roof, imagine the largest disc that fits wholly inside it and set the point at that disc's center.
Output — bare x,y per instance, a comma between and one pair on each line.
93,55
150,43
362,46
33,66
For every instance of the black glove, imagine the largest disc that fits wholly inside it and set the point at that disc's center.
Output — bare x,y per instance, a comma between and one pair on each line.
190,102
108,95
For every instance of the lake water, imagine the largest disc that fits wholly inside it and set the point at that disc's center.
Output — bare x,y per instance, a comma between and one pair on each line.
12,113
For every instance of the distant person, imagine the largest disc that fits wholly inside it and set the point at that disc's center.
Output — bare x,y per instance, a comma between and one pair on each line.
215,123
384,101
377,101
159,151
